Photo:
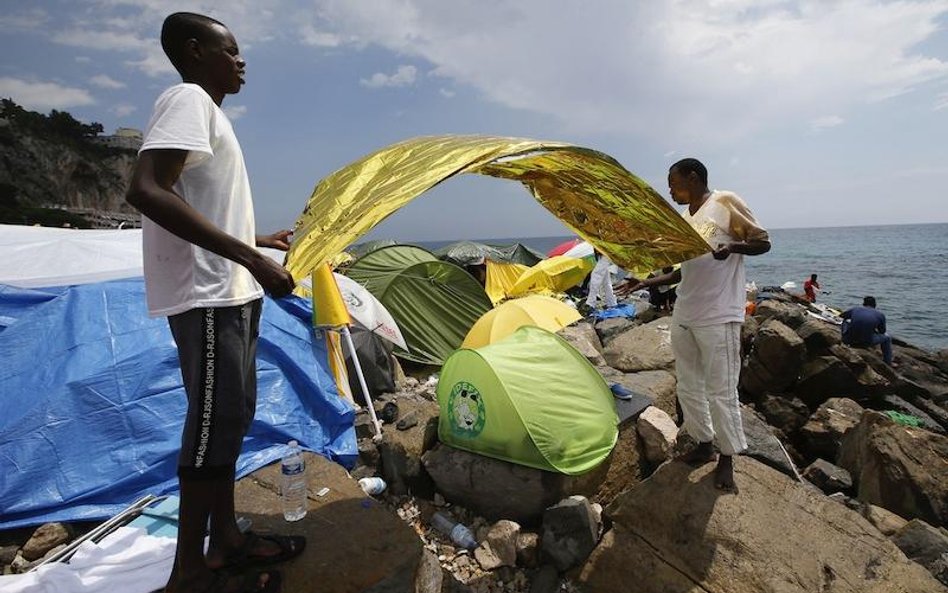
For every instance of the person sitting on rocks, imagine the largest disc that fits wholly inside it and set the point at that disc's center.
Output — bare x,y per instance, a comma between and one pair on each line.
865,326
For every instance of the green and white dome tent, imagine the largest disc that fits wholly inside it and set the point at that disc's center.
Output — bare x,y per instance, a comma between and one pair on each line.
530,399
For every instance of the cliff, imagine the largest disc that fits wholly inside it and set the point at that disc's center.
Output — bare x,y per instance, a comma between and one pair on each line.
52,163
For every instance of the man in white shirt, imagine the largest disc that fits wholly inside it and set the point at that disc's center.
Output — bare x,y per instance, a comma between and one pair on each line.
709,311
203,271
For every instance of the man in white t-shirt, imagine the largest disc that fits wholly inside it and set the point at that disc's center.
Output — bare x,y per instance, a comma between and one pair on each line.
709,311
203,271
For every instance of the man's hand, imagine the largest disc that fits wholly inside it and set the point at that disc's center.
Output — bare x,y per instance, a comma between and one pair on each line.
278,240
627,287
722,251
274,278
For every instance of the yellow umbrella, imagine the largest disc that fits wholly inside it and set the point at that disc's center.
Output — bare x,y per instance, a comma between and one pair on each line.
498,323
553,275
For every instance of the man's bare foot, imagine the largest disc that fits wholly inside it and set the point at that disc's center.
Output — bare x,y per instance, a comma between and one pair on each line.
724,474
700,455
221,582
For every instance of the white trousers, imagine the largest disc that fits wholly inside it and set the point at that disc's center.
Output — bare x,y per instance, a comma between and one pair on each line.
600,281
708,364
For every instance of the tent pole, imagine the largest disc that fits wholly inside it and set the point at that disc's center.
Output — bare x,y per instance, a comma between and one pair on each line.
365,390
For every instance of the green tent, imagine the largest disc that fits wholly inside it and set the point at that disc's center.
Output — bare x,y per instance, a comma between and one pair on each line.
433,302
529,399
467,253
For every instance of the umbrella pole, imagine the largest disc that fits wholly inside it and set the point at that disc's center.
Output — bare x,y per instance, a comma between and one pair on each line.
365,390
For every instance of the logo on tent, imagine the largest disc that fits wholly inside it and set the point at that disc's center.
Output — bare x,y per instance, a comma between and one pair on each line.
466,410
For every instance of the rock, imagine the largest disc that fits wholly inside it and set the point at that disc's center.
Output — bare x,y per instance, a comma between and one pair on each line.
353,542
570,532
20,565
763,445
785,412
788,314
775,361
676,533
608,329
363,425
824,430
546,580
44,539
899,468
894,402
828,477
528,549
660,386
824,377
748,333
369,453
7,554
926,545
626,465
643,348
818,336
499,547
658,433
885,521
401,450
583,337
430,577
501,490
407,421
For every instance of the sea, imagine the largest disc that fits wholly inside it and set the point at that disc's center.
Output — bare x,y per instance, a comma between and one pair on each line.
904,266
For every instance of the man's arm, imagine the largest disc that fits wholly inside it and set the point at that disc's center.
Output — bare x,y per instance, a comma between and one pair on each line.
151,193
628,287
750,247
881,326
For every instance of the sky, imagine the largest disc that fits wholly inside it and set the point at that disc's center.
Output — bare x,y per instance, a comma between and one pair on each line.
818,113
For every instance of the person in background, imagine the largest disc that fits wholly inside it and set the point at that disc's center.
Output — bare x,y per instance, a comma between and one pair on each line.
865,326
706,321
810,287
203,272
662,297
600,284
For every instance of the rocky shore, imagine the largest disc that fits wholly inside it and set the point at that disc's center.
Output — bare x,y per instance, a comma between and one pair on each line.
844,486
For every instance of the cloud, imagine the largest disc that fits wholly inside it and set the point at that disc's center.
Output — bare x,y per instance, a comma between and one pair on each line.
690,69
941,102
309,35
83,59
235,112
43,96
101,40
827,121
27,20
123,109
106,82
447,93
404,76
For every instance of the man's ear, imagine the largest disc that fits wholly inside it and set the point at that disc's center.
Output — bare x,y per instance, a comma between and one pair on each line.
194,49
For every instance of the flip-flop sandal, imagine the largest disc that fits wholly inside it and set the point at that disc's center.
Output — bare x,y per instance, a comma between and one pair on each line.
290,546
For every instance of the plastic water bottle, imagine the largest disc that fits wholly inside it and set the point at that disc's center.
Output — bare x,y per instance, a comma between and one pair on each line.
458,532
294,483
372,486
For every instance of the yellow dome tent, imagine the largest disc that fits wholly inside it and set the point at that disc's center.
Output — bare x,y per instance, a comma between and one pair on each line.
503,320
556,274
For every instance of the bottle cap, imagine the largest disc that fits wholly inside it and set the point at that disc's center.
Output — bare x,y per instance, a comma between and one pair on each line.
293,443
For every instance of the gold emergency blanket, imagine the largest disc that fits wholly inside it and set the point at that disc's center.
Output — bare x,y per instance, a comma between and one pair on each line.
589,191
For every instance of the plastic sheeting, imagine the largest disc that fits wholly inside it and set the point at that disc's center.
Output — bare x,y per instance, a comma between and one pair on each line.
92,400
589,191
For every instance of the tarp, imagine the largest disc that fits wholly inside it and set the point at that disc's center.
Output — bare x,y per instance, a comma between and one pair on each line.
563,247
433,302
467,253
501,278
530,399
556,274
93,405
501,321
589,191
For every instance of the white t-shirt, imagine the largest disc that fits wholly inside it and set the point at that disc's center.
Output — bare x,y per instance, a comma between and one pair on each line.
712,291
180,275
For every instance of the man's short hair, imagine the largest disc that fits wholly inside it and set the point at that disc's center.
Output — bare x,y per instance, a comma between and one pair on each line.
689,166
178,28
869,302
813,276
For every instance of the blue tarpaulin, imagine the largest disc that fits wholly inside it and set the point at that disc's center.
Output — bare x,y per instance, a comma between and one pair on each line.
92,402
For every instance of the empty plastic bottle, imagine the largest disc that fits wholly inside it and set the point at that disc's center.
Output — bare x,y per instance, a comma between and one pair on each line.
294,483
372,486
458,532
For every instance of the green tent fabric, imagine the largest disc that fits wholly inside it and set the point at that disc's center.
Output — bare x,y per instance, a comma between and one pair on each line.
467,253
433,302
530,399
360,249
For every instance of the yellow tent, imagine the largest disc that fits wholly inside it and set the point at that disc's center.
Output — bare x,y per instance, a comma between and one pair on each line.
500,279
556,274
594,196
505,319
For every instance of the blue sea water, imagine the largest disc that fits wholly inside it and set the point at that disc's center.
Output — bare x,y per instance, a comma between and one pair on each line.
904,266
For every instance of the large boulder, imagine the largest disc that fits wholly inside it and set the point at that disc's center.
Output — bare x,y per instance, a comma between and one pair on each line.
676,533
785,412
763,445
343,528
789,314
823,432
899,468
926,545
643,348
498,489
582,336
775,360
824,377
660,386
609,328
819,336
401,450
626,465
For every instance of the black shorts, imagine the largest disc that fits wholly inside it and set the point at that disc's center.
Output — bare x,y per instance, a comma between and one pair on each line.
217,348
